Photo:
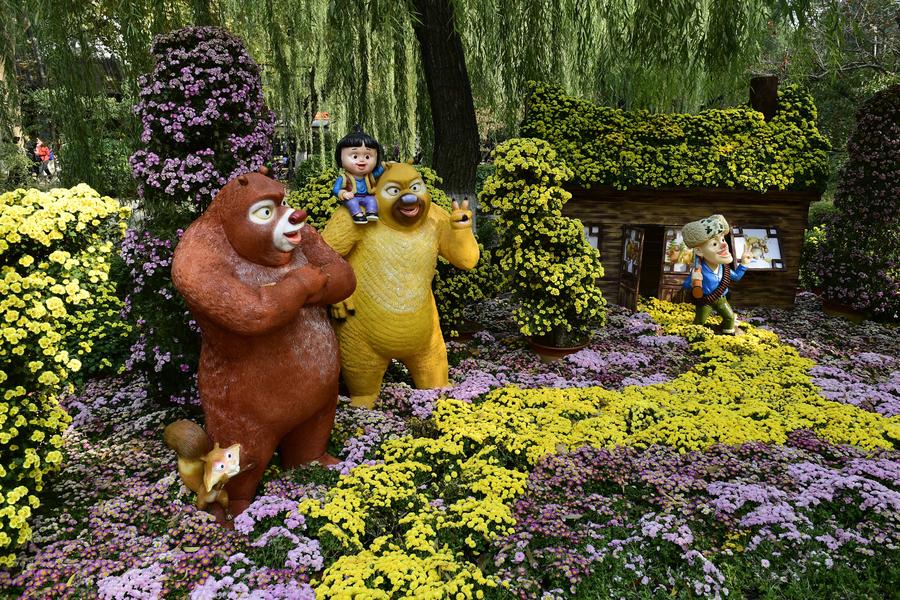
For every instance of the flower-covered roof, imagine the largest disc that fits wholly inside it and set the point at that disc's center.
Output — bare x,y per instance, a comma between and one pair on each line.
715,148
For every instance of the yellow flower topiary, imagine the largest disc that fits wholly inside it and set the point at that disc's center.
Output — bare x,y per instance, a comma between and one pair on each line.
551,268
55,294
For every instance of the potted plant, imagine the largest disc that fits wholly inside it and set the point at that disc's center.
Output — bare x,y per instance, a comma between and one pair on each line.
551,268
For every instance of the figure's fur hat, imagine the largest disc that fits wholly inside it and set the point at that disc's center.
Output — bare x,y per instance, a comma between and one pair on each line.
697,232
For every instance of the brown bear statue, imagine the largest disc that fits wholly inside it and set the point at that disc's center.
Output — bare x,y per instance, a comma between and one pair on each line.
258,281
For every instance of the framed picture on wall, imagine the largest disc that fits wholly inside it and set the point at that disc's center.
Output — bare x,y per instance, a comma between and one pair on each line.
677,256
764,246
631,252
592,233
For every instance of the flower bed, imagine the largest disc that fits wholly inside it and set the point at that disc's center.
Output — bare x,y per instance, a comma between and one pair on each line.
660,460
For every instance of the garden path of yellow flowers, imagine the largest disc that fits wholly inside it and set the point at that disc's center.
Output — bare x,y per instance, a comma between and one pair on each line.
453,496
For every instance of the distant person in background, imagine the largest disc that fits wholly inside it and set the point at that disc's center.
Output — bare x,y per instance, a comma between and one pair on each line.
51,164
43,152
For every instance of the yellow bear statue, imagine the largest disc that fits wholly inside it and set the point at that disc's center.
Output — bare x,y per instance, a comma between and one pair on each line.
392,313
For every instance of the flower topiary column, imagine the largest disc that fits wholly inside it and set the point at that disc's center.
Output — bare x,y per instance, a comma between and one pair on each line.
552,269
203,122
203,119
859,261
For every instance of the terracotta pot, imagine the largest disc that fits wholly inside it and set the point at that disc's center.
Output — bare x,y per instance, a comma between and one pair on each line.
836,309
466,331
553,353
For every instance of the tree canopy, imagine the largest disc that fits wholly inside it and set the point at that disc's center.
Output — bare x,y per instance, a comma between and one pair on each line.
363,62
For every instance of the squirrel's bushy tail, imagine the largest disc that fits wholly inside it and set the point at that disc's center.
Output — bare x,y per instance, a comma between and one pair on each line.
187,439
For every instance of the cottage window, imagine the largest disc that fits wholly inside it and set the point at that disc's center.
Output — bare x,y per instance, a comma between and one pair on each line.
592,233
764,245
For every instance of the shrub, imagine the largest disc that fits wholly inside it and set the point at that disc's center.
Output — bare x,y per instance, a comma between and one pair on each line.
733,147
551,266
57,305
316,199
859,261
99,155
820,212
203,119
482,172
812,245
458,292
113,173
308,169
15,167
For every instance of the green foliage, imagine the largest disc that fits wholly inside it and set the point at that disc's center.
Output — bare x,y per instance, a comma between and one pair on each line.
820,212
37,113
356,60
734,147
315,197
552,268
361,60
15,167
483,171
101,158
307,170
846,52
664,56
112,172
457,292
813,238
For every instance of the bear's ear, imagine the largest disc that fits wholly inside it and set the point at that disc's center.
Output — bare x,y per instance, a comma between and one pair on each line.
264,170
409,161
242,179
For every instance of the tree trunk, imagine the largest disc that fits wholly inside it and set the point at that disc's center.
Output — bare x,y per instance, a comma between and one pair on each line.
9,94
450,93
203,13
35,52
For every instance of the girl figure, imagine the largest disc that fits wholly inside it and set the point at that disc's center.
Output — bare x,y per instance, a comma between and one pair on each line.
359,155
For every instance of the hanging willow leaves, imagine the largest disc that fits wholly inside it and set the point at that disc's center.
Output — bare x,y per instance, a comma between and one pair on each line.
360,60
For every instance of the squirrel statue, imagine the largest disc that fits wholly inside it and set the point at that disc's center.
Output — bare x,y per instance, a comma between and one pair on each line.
204,468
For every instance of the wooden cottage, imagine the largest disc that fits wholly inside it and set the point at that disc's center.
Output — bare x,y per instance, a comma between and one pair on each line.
638,233
640,177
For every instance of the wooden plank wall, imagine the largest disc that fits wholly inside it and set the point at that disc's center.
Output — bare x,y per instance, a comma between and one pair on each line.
787,211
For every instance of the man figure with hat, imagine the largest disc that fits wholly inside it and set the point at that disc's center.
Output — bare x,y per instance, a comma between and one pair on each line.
712,275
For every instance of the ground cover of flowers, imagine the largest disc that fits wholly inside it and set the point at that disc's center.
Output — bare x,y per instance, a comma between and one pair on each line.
659,461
